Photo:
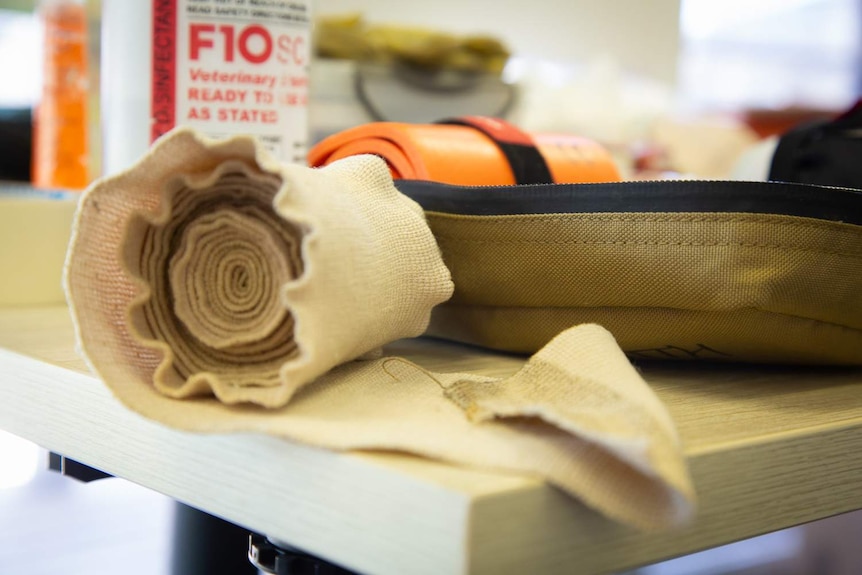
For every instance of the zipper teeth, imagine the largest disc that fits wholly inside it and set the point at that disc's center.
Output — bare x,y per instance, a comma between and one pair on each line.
546,184
628,184
825,203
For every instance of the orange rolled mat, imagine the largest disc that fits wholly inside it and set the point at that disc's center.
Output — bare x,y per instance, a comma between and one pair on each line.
467,155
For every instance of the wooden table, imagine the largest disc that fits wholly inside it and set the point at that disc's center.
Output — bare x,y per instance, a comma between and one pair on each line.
769,447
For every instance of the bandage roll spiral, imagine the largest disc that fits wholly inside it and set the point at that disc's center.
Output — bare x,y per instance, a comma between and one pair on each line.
218,262
209,268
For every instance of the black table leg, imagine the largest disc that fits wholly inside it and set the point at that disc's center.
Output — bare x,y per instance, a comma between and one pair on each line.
206,545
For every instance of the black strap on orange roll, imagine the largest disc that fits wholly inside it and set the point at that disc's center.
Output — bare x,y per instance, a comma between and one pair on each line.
527,163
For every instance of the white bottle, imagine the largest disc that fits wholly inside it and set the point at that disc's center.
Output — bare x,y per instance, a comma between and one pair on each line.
224,67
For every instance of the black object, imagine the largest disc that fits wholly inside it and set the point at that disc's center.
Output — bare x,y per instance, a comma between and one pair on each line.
824,152
207,545
278,560
805,200
74,469
16,143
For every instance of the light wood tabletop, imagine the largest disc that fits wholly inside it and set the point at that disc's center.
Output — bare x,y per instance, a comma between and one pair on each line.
769,447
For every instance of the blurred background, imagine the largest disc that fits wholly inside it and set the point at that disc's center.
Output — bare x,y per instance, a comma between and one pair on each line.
671,87
644,79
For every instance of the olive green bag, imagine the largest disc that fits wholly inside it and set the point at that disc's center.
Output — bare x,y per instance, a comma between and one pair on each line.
736,271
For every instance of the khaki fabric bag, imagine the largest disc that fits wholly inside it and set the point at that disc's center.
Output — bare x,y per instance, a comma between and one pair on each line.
214,289
731,271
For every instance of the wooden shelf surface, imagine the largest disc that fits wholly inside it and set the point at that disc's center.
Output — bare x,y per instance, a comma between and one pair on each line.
769,447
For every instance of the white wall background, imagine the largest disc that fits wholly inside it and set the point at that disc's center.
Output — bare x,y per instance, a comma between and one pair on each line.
641,36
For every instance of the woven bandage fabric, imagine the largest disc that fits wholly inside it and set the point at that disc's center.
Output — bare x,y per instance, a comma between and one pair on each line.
215,289
209,267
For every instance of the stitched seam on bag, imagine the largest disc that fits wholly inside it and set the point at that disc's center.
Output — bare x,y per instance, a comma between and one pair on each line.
774,219
654,308
854,255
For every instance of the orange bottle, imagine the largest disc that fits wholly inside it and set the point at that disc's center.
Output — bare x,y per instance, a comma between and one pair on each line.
60,119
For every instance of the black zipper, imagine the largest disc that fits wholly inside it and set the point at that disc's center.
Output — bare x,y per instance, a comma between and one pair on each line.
670,196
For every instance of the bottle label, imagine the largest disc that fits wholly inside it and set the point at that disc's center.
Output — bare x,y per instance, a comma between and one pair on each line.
230,67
